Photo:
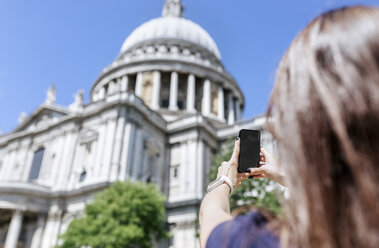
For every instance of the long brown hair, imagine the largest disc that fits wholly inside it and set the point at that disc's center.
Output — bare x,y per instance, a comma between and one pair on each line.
325,117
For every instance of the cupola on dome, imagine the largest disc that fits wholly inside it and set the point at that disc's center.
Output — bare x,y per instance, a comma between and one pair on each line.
171,26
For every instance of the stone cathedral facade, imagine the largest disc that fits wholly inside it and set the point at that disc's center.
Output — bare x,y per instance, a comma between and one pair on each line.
157,114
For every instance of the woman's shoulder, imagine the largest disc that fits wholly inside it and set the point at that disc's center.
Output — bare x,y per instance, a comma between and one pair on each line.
248,231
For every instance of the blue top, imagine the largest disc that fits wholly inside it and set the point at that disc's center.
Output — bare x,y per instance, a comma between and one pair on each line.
245,231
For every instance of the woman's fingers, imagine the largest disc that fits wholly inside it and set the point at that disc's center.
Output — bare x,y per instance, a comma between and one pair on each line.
260,176
236,152
265,153
256,171
262,158
243,176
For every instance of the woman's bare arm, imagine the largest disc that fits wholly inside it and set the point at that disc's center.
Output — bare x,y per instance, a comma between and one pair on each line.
213,211
215,207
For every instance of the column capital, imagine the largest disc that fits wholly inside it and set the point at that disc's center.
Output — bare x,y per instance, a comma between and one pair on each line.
19,211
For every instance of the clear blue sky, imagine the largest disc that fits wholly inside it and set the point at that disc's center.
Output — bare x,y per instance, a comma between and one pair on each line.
69,42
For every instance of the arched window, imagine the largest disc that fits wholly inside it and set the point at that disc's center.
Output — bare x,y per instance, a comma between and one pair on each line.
36,164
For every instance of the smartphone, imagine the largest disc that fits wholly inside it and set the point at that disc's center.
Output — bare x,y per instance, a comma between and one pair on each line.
250,144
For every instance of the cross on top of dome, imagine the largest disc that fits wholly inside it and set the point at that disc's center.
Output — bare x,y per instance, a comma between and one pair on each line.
172,8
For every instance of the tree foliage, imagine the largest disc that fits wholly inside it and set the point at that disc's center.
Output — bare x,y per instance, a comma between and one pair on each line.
253,192
123,215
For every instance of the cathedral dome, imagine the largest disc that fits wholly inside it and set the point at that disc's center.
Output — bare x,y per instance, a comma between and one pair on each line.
173,66
173,27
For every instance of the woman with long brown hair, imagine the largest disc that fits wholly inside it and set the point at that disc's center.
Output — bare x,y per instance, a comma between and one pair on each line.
324,116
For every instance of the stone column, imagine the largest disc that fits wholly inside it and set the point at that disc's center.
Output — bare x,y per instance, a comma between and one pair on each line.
231,117
55,166
53,223
101,94
138,153
138,90
173,92
200,163
62,158
112,88
206,103
238,109
124,83
67,160
121,174
184,177
107,152
118,143
14,229
131,150
156,89
100,144
221,114
37,236
191,93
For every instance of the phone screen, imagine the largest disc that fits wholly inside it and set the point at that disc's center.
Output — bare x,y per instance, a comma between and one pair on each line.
249,149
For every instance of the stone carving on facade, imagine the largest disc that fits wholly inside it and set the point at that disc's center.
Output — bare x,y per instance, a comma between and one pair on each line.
88,136
51,95
78,103
22,117
41,121
172,8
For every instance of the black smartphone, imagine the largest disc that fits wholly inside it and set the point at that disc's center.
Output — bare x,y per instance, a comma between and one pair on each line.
250,145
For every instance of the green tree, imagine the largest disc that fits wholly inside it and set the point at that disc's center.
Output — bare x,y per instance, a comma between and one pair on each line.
258,192
124,215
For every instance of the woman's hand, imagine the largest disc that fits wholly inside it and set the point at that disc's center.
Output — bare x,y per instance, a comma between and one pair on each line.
269,168
229,168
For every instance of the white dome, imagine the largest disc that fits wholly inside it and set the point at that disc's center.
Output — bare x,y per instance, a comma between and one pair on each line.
171,27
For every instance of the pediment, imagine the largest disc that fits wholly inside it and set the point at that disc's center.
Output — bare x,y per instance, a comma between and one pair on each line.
44,115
